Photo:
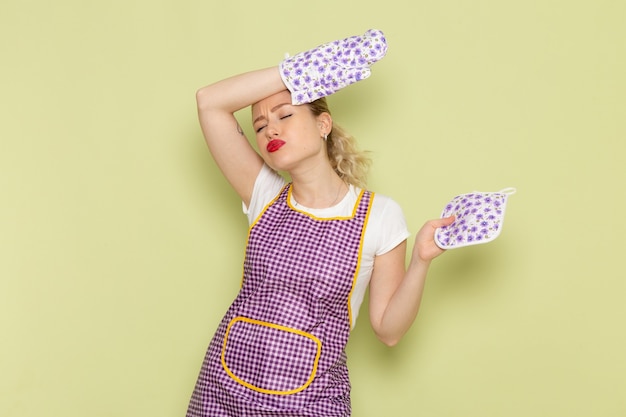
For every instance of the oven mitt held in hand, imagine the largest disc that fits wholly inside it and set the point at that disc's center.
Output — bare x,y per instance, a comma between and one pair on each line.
332,66
479,218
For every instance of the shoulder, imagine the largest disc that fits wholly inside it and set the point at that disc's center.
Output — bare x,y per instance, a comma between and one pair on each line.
266,186
384,202
387,226
385,207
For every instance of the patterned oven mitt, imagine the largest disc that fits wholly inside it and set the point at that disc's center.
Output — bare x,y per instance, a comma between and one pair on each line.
332,66
479,218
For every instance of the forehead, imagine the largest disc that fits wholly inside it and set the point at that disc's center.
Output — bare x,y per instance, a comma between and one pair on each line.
270,102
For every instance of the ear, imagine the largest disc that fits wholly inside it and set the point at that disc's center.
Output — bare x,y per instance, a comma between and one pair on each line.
325,123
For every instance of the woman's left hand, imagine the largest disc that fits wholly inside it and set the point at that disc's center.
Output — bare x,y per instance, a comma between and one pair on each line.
425,248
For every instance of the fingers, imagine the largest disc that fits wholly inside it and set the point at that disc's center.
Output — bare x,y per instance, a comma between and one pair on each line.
444,221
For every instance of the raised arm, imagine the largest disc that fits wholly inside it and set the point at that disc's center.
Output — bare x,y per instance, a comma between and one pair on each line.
308,75
232,151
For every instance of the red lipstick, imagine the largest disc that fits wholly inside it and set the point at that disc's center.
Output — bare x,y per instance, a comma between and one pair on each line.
274,145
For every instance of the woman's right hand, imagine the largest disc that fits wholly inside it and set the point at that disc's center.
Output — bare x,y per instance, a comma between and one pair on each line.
332,66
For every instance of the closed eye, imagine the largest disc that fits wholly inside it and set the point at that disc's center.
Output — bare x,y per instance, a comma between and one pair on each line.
260,128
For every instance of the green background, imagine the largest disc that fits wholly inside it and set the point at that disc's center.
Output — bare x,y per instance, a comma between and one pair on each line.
121,245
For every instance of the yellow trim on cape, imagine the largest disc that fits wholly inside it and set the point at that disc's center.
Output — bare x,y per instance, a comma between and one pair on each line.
358,265
354,209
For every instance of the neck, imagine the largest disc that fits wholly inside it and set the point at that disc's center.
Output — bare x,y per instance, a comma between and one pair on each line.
318,191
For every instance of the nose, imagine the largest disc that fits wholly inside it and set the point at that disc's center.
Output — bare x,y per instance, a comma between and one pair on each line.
271,131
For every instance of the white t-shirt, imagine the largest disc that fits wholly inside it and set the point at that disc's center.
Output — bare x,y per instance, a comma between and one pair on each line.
386,227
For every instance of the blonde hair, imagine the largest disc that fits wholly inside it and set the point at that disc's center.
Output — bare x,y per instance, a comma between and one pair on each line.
350,163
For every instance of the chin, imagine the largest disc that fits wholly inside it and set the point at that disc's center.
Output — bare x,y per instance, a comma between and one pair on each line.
277,163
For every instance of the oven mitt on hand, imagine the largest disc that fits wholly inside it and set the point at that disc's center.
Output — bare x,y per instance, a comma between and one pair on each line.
332,66
479,218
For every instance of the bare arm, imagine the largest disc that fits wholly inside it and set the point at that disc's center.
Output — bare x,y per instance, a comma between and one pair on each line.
231,150
396,292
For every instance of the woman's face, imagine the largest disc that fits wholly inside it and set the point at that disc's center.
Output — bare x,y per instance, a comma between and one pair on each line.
289,137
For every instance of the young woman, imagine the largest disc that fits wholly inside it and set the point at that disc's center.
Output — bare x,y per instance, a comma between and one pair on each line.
314,246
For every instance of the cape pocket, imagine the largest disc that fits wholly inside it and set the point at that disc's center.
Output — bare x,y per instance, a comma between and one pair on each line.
270,358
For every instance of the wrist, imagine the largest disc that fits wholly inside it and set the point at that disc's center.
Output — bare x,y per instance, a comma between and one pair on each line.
418,266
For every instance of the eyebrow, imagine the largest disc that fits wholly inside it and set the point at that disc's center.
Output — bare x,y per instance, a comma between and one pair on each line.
272,110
